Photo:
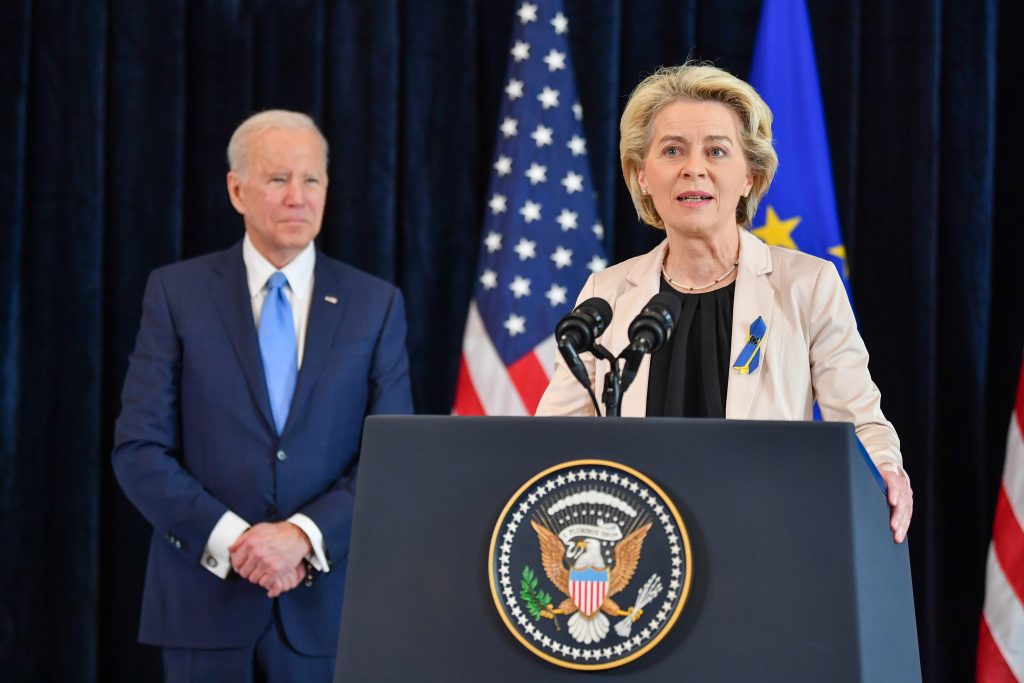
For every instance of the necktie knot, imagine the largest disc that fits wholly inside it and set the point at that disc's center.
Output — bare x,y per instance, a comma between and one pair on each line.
276,281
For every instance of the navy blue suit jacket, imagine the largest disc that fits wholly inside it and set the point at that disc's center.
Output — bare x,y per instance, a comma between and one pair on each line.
196,438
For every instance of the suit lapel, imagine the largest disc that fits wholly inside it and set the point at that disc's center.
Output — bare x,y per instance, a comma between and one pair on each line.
324,318
646,280
754,297
230,291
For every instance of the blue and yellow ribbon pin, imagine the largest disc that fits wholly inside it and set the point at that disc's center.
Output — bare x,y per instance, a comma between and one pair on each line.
750,355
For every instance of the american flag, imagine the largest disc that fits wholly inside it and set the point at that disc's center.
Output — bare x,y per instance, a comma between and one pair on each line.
541,236
1001,636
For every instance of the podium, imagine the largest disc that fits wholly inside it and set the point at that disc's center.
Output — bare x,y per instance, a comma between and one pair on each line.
795,576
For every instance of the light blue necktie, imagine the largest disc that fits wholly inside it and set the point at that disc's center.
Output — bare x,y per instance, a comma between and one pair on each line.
278,348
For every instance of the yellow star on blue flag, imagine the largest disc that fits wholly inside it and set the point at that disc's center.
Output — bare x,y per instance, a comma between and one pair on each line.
777,232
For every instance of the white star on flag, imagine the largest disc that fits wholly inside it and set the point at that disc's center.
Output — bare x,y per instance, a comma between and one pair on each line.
560,23
497,204
596,264
528,249
556,295
567,219
520,286
527,13
489,279
573,182
521,51
598,230
537,173
548,98
509,127
555,60
492,242
577,111
541,135
503,165
577,145
530,211
514,89
516,324
562,257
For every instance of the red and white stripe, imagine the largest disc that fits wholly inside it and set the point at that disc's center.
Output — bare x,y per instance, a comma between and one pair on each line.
588,596
487,387
1001,636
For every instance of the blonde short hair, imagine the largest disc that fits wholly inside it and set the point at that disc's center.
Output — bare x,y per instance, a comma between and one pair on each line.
271,119
700,83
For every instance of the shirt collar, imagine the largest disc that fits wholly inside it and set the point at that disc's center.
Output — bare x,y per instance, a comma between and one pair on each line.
258,269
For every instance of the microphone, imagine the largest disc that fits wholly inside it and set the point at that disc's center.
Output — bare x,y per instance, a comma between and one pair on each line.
584,325
653,327
577,333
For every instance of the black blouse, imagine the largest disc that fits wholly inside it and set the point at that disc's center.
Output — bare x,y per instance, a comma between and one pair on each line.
690,374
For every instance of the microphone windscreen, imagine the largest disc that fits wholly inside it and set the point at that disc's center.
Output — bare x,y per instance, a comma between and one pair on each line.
667,302
652,328
584,324
600,310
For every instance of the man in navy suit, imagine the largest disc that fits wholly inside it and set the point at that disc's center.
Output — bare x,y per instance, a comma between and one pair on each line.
241,422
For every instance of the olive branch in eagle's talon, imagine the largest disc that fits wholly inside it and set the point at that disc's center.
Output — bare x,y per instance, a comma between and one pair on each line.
538,603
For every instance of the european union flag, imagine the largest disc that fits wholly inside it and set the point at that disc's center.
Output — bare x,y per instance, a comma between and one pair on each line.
799,210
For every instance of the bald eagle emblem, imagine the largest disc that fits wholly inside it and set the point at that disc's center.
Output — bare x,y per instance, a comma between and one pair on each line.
574,563
614,564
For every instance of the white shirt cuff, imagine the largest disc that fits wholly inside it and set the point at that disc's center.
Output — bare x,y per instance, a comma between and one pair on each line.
216,559
316,539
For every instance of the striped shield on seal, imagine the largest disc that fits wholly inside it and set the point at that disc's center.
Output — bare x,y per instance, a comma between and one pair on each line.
588,588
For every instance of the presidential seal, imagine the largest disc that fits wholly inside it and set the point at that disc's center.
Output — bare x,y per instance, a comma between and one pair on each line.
589,564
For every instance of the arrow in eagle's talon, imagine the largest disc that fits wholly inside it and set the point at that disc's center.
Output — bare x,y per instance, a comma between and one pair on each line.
635,614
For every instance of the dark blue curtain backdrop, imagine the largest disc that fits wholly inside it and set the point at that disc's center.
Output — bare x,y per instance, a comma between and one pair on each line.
114,119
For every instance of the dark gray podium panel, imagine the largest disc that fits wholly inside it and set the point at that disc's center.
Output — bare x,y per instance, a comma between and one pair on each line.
795,575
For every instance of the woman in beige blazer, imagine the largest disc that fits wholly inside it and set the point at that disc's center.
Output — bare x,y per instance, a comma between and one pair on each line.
697,156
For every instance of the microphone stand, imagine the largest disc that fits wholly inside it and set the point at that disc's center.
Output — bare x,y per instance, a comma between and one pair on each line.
575,365
617,380
612,396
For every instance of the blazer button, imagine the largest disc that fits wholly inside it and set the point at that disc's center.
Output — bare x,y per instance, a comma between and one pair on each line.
282,456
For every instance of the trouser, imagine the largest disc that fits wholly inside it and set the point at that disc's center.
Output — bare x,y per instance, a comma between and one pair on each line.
269,660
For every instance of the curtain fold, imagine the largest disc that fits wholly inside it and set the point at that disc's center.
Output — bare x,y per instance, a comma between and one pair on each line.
115,122
14,78
54,468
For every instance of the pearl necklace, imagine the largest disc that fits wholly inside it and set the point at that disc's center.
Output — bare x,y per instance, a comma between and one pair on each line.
704,286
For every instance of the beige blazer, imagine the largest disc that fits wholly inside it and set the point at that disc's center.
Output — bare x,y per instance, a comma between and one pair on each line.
811,349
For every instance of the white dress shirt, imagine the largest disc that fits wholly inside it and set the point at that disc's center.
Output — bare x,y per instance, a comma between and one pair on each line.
299,293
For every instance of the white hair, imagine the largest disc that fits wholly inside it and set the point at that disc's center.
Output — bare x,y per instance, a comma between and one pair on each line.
271,119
